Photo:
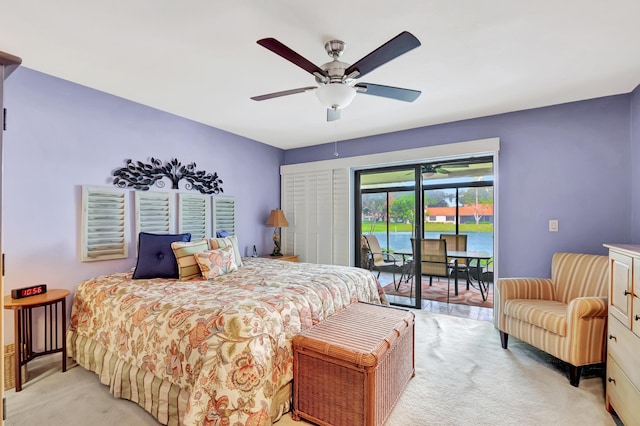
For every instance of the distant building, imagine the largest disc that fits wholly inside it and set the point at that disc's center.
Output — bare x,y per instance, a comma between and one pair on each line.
467,214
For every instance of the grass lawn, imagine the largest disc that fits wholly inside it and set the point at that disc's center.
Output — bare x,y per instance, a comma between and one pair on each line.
429,227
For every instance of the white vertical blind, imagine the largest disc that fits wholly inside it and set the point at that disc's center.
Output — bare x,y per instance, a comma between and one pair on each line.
289,183
307,203
105,231
322,229
310,220
341,217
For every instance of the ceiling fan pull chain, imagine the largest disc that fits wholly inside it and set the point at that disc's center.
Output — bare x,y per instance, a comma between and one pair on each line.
335,139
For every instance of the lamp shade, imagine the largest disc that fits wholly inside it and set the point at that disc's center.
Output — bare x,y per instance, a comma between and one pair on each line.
335,95
276,219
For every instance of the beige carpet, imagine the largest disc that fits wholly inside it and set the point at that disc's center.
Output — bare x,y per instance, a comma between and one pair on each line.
463,377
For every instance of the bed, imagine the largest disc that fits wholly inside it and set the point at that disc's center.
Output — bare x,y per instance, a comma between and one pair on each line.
208,352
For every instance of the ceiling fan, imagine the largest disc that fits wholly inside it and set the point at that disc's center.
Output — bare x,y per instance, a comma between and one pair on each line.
336,80
428,170
442,168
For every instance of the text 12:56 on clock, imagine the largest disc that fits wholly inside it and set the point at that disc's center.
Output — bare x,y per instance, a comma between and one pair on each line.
33,290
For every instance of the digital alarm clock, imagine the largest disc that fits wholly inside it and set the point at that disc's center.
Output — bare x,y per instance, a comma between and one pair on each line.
33,290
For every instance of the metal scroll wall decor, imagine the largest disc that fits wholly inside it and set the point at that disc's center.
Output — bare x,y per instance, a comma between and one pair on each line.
142,176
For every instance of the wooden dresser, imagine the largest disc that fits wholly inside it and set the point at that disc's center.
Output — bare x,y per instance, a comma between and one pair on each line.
623,342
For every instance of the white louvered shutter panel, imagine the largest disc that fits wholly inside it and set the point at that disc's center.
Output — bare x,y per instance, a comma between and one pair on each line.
301,236
321,207
224,214
341,217
307,204
154,212
105,230
194,215
291,185
286,200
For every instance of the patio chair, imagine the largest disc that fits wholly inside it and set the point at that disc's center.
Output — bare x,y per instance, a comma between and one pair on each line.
433,261
383,262
483,275
458,267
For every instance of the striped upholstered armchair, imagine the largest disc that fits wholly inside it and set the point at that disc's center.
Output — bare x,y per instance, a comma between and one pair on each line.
565,316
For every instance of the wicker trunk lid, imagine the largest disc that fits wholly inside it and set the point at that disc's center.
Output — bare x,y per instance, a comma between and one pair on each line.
351,368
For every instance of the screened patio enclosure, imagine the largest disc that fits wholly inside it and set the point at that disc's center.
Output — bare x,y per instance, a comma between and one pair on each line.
399,203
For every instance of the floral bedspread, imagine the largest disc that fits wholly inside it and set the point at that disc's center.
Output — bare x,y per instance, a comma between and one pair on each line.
227,340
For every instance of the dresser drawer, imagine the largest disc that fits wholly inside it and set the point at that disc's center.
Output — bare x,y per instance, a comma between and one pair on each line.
620,283
622,395
635,312
624,347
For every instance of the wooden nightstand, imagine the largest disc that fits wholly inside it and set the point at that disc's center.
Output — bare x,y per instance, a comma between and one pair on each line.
284,257
55,323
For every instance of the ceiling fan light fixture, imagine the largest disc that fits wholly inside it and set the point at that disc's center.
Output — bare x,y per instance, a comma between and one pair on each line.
335,81
335,95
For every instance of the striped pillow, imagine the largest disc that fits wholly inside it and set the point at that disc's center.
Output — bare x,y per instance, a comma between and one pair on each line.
217,243
184,252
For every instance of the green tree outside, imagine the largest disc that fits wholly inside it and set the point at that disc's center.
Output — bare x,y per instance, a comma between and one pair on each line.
480,198
436,198
374,206
403,210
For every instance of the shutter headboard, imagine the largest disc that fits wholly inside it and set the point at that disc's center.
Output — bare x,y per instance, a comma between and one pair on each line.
105,230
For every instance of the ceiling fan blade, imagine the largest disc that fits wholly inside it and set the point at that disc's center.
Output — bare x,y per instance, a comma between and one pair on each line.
402,43
280,49
283,93
333,114
407,95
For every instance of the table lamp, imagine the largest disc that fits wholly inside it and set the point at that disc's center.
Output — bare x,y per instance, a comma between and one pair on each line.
276,220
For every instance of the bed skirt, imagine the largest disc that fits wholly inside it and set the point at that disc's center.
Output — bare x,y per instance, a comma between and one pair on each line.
165,401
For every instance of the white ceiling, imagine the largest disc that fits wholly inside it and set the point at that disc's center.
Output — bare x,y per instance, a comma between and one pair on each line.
199,58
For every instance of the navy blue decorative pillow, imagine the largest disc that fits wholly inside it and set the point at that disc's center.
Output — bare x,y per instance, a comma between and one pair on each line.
222,233
155,256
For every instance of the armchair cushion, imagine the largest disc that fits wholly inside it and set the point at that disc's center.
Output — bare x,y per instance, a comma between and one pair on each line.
546,314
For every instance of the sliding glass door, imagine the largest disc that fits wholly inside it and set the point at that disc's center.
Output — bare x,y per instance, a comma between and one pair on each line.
389,220
396,204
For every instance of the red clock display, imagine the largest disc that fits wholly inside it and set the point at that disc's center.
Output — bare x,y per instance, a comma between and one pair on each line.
34,290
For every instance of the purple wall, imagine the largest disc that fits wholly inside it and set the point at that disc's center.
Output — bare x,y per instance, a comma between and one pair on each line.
570,162
62,135
635,171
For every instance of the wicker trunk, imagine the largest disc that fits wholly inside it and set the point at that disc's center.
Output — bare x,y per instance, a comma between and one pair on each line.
351,368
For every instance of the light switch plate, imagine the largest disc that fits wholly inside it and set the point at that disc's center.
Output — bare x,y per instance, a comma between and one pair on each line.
553,225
